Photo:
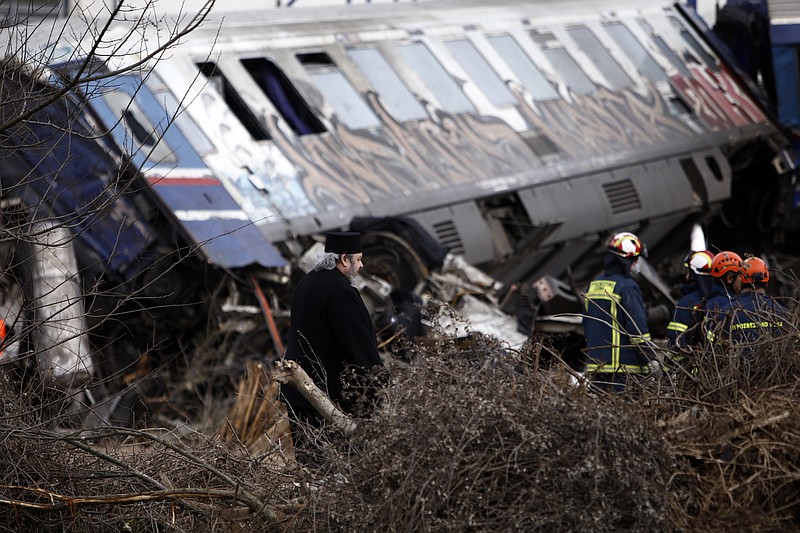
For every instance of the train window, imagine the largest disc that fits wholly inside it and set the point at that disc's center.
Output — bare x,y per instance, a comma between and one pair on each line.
185,124
522,65
481,73
692,42
142,135
193,134
430,71
394,94
284,97
345,100
141,124
665,49
569,69
600,56
233,100
635,51
566,67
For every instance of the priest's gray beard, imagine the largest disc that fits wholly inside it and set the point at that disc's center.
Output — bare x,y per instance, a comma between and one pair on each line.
351,273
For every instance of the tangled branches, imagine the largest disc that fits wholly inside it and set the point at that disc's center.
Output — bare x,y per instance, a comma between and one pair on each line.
468,436
733,425
469,444
117,480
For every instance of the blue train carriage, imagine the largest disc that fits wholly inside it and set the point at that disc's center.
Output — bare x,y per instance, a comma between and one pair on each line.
117,253
762,39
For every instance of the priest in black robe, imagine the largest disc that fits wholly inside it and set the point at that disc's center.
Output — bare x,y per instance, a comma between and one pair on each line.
331,329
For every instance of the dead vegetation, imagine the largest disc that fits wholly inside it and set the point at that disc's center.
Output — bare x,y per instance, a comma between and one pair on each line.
469,437
478,442
733,428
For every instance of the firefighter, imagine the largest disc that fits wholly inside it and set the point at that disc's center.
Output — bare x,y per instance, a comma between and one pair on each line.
615,322
725,269
683,330
756,314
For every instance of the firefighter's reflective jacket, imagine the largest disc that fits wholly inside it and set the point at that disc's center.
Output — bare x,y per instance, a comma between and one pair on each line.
615,326
683,330
754,316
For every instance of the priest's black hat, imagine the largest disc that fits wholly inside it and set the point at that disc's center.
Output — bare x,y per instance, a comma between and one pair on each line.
343,242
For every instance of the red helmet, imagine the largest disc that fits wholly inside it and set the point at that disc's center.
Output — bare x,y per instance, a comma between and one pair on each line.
626,244
699,262
725,262
754,270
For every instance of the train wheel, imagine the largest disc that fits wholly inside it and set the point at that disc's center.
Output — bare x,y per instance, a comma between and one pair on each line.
390,258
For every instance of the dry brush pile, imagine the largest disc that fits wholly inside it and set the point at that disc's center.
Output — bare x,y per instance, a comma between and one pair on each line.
734,427
469,437
479,442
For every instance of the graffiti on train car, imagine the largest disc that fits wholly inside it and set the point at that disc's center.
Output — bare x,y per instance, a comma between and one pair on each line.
718,102
402,159
415,157
606,122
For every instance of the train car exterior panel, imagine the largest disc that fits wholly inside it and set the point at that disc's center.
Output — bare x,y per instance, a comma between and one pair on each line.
370,169
575,120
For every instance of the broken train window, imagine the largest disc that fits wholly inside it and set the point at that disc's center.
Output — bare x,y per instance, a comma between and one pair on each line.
700,52
234,101
287,101
140,123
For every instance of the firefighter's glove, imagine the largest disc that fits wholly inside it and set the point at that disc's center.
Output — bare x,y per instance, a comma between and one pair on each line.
654,368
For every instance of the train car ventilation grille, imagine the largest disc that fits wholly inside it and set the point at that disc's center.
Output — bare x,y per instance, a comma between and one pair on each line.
447,235
783,11
622,196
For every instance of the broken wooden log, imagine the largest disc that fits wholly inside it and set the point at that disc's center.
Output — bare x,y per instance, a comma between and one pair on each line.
290,373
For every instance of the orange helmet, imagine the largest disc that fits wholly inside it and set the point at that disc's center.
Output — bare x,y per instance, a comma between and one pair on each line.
725,262
754,270
699,262
626,244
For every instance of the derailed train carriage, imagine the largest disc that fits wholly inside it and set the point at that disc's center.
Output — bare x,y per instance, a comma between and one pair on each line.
182,200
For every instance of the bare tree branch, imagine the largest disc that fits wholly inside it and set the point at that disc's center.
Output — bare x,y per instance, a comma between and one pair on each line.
290,373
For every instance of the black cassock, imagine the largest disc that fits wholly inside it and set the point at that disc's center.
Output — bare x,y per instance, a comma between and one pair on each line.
330,329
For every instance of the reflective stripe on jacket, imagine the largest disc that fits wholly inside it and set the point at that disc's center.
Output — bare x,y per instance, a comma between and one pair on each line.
755,315
615,326
685,318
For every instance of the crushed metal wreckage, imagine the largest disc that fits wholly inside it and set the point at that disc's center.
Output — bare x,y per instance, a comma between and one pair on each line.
42,276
